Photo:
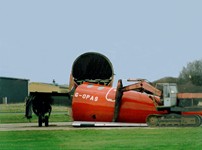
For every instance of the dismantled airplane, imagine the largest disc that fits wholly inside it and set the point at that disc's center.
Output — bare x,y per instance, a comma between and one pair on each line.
94,100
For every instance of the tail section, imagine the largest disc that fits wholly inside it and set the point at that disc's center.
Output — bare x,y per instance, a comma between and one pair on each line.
91,67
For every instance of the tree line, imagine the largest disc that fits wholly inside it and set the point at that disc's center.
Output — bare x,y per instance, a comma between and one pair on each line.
189,79
192,72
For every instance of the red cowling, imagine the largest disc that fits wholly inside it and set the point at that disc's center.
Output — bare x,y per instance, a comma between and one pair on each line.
93,102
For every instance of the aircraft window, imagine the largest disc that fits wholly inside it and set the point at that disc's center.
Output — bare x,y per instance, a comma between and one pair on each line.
89,86
100,88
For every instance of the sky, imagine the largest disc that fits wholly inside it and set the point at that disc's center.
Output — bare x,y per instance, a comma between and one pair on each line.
40,39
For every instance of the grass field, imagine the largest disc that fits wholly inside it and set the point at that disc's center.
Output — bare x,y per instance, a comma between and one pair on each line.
20,107
15,113
144,138
133,138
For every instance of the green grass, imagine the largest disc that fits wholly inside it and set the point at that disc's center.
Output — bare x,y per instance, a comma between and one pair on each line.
133,138
95,138
20,118
20,107
15,113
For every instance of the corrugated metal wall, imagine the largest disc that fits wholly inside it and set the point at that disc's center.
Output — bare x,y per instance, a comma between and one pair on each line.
14,89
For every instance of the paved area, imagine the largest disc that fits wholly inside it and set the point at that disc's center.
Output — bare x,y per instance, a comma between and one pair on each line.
57,126
34,126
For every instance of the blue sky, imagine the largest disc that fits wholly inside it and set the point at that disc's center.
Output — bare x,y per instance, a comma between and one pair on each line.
39,40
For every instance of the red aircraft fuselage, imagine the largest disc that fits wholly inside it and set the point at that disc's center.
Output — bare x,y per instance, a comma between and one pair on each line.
93,102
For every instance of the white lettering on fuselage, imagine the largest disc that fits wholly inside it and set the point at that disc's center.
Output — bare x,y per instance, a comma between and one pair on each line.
87,97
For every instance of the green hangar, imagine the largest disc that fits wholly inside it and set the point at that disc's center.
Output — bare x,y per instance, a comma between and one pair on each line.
13,90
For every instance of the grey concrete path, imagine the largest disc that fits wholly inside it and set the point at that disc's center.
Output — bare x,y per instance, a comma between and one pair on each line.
60,126
34,126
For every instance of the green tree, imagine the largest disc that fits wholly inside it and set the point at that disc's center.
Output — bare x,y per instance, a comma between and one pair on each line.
192,72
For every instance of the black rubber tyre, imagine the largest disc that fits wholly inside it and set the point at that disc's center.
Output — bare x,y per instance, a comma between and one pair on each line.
46,121
40,121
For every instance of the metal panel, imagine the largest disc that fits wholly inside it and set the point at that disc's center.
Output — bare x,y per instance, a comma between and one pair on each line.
14,89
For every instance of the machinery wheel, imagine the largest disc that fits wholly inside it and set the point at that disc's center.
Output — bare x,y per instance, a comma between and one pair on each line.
152,121
46,121
200,120
197,120
40,121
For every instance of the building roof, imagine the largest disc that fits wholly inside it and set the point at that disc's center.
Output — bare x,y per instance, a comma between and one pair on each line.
47,87
11,78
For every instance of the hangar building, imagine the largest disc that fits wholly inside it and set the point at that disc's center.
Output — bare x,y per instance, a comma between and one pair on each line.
51,88
13,90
